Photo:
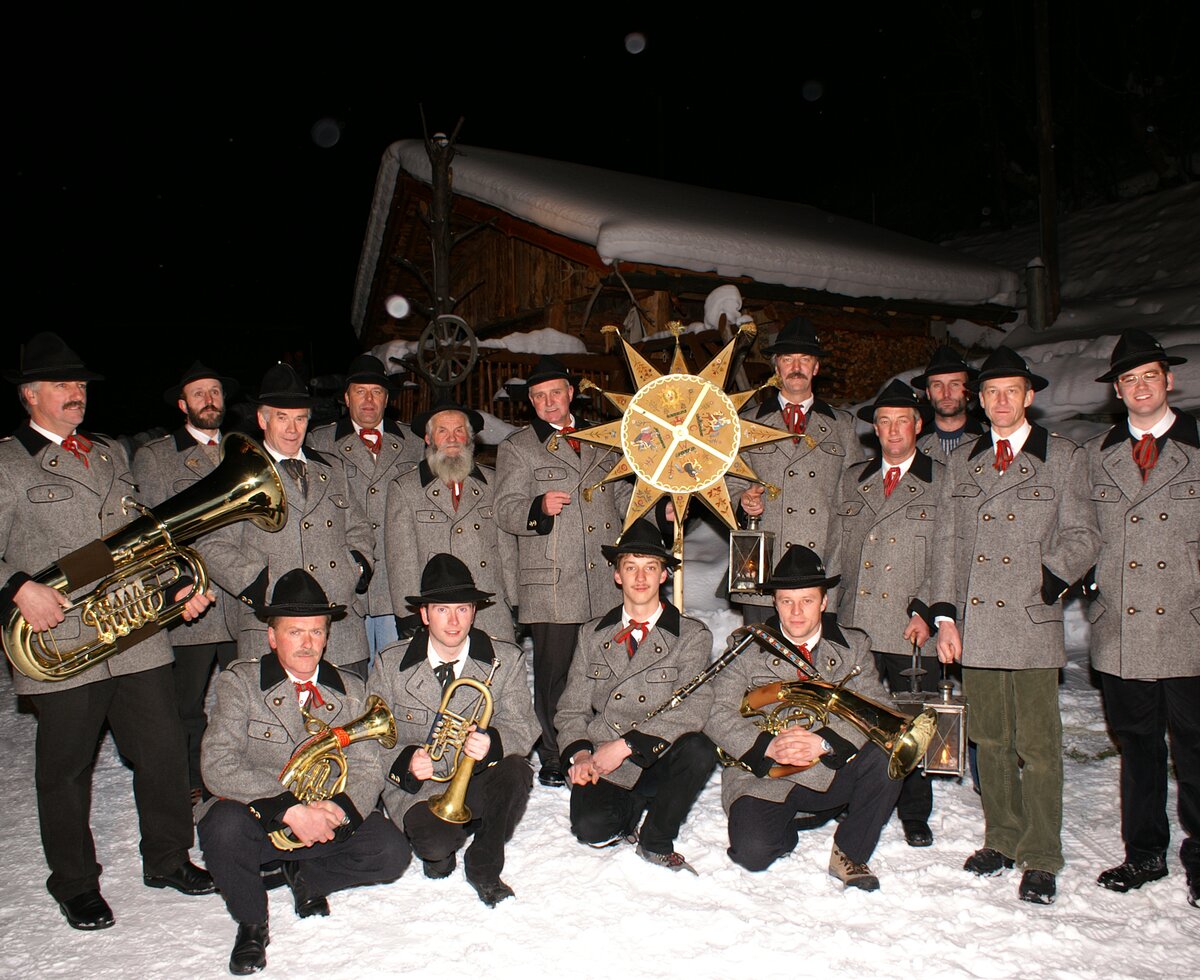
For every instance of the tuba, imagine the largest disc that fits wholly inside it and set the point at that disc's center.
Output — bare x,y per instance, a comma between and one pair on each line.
137,568
308,772
449,732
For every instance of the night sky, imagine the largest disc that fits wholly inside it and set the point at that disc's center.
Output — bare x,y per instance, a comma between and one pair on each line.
198,182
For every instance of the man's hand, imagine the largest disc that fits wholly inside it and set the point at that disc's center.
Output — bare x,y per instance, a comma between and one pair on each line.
610,755
583,770
420,765
553,501
477,744
332,809
312,824
40,605
752,502
949,643
195,606
917,630
796,747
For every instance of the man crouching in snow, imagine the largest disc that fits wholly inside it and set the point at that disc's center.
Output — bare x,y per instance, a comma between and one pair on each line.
843,770
626,663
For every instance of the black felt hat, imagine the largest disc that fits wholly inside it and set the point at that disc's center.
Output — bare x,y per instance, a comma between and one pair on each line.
896,395
299,594
1004,362
46,357
642,538
800,568
367,369
1134,348
446,579
547,369
282,388
798,336
446,405
195,373
945,360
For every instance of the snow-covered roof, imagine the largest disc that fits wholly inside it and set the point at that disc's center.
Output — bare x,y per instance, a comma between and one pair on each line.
645,220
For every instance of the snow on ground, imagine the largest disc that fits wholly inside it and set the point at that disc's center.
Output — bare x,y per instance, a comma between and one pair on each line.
605,914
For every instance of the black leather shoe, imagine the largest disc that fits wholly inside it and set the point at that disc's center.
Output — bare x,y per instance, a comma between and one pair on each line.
551,775
987,862
917,833
187,878
90,911
307,904
491,893
1133,874
249,949
440,869
1037,887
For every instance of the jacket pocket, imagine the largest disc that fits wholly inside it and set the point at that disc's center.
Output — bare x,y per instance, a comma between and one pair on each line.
1185,491
1106,493
1093,610
1039,612
1035,493
599,671
413,714
268,731
545,474
662,675
967,490
850,508
921,512
538,576
339,500
431,517
48,493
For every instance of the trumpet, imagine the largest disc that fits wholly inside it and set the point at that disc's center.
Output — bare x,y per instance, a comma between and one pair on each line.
317,769
448,737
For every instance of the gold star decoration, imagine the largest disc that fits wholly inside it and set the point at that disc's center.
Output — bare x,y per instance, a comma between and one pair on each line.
680,433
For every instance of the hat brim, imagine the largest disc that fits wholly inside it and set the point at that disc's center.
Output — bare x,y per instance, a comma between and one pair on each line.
229,386
288,400
301,610
614,551
420,421
52,374
1036,380
1142,357
801,582
867,412
921,381
457,593
389,381
790,347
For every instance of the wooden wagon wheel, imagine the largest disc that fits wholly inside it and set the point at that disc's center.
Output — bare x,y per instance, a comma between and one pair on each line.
447,351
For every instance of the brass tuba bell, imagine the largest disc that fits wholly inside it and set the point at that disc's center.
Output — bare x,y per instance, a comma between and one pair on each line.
138,568
317,769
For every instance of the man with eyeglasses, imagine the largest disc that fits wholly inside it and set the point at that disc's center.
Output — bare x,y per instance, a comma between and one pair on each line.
1145,481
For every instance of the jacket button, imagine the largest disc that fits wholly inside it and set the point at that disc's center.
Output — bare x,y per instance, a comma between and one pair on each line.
617,696
866,564
884,595
591,528
1134,519
436,492
607,526
306,525
974,600
1162,564
458,530
54,462
333,564
1012,517
1006,560
1036,493
312,568
812,473
791,510
812,510
372,490
987,517
374,526
591,564
1160,610
1133,564
1000,603
891,540
475,491
329,523
278,701
981,558
642,697
266,734
1162,517
791,472
323,477
483,564
476,527
1131,610
860,592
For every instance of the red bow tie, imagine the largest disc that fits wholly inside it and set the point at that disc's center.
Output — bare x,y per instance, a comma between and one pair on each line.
626,635
890,480
1004,455
371,439
309,688
804,652
1145,454
795,418
573,443
78,446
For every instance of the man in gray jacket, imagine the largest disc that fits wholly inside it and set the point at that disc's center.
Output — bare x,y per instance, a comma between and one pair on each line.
60,490
946,384
413,676
266,708
162,468
1015,529
835,767
375,451
1144,475
807,468
562,578
882,546
447,505
326,533
627,663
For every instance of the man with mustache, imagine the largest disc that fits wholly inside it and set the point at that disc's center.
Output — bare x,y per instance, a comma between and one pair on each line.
946,384
806,468
164,467
375,451
447,506
60,490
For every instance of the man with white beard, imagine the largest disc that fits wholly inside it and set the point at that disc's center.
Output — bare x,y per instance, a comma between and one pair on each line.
446,506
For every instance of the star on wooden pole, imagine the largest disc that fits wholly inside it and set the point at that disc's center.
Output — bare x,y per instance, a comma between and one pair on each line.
679,435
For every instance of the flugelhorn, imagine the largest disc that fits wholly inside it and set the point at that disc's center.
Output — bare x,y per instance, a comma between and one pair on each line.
138,569
449,734
317,769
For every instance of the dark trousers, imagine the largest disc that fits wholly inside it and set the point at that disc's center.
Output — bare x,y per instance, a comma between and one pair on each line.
1140,715
761,832
665,791
236,847
193,668
496,797
916,791
553,647
140,709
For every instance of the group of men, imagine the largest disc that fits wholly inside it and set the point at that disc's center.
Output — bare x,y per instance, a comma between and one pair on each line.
956,542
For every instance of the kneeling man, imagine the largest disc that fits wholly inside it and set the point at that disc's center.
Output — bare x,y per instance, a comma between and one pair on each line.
843,769
412,676
627,663
265,709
